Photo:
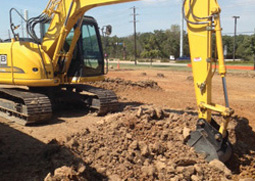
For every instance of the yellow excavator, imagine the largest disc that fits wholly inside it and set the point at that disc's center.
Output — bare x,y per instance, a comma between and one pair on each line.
56,66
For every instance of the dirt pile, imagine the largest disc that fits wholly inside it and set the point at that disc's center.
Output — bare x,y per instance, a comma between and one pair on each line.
64,165
144,144
242,137
116,83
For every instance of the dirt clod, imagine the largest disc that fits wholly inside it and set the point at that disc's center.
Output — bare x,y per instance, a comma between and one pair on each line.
160,75
220,166
186,133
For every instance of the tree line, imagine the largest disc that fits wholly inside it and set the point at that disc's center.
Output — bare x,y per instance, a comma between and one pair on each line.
160,44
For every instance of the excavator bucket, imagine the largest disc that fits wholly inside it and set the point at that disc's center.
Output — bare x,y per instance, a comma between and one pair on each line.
207,140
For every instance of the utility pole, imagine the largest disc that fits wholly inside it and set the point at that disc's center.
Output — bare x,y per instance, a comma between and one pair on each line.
234,44
134,21
181,32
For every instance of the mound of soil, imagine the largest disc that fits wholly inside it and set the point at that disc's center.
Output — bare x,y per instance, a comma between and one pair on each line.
116,83
145,144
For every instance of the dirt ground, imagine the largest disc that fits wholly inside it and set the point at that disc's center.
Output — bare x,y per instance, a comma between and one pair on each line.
68,146
178,91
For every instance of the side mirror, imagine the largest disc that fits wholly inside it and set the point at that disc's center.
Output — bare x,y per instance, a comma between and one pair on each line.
108,30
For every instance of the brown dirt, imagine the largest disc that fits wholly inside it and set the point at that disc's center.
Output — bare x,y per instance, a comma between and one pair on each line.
178,90
145,141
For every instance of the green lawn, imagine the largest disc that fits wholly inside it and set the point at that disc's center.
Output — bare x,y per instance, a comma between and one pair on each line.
142,67
174,68
241,63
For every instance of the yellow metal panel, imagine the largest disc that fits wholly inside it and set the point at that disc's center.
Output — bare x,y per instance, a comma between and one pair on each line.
200,50
37,83
27,57
23,61
6,66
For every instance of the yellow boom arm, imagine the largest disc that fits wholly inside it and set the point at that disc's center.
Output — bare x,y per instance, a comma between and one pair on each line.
66,13
203,19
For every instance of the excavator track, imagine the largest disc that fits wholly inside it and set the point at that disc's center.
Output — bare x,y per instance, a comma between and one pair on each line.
24,107
103,100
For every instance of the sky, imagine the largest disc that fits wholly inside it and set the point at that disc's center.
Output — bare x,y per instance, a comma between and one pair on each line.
152,15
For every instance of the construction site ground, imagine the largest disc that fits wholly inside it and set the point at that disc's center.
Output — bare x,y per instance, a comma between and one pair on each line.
145,140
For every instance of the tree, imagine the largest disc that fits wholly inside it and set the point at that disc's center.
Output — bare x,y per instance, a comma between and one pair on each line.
150,48
249,45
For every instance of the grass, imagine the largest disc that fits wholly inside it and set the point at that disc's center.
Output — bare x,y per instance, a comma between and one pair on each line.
242,63
148,67
175,68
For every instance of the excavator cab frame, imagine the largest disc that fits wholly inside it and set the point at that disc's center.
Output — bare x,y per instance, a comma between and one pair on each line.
88,56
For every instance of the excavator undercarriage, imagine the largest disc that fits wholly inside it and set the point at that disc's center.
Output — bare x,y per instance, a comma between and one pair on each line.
36,105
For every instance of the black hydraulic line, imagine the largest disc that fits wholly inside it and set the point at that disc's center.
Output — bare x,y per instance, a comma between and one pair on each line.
69,12
196,17
190,11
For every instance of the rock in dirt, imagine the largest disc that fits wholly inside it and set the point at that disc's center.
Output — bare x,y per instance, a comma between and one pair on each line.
247,179
114,178
186,133
190,78
63,173
220,166
160,165
195,178
198,169
185,162
148,170
186,171
140,112
144,149
160,75
133,145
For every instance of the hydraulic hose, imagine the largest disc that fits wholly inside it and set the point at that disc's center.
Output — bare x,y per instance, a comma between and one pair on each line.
195,17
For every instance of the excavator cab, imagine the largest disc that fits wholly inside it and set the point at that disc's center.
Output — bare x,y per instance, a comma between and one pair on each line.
88,59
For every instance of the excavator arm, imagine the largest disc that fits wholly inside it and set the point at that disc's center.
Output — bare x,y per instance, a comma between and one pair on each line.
203,20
